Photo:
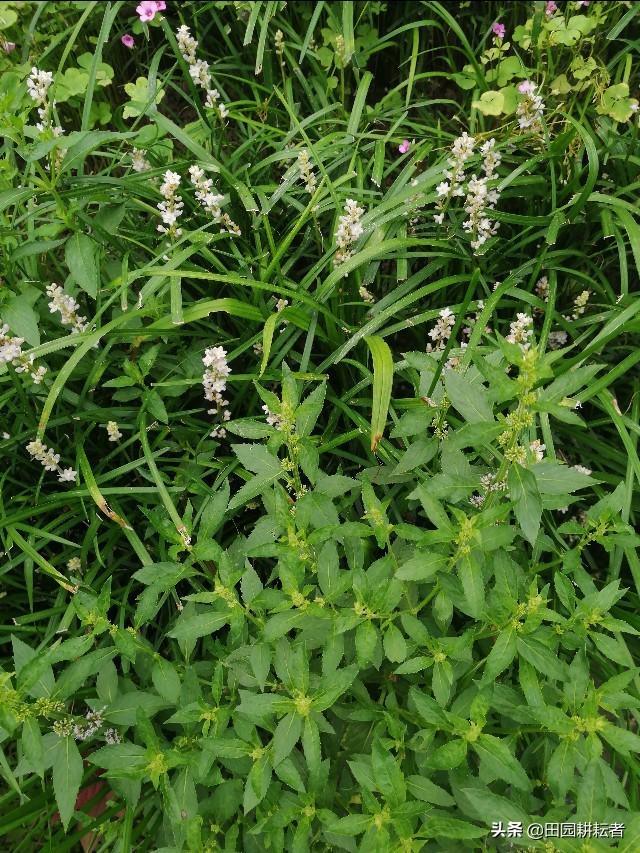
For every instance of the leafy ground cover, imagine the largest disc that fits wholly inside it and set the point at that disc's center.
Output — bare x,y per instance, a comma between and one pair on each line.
319,420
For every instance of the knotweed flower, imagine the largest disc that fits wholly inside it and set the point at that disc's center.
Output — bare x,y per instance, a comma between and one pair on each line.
521,331
214,382
531,107
128,40
579,305
139,162
172,206
210,200
349,230
50,460
441,332
461,150
11,353
404,146
537,448
113,431
68,308
306,171
199,70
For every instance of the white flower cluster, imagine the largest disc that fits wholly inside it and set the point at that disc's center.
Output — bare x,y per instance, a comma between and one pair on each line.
199,70
521,331
537,449
366,295
530,108
542,288
582,470
68,308
306,171
278,41
488,483
480,198
579,305
461,150
441,332
74,566
211,201
557,339
172,206
11,353
38,85
139,162
111,736
94,723
50,459
214,381
113,431
349,230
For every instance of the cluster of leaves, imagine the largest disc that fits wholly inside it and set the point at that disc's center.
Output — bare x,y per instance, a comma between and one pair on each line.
379,617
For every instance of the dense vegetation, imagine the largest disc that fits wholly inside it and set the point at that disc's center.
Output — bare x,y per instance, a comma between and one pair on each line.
318,425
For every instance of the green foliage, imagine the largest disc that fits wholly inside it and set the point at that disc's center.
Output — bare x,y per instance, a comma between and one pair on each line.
319,425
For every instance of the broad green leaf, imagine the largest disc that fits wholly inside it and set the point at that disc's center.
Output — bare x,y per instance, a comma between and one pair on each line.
524,493
471,399
80,255
67,777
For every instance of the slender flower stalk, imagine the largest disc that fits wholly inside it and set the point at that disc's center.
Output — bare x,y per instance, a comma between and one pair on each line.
50,460
199,70
214,382
349,230
11,353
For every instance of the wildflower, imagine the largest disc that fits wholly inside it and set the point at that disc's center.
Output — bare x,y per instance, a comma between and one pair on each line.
128,40
279,43
306,171
281,304
461,150
139,162
210,200
551,9
582,470
537,449
557,339
579,305
74,565
349,230
521,331
11,353
8,46
50,460
38,85
112,431
214,381
111,736
498,30
531,106
172,206
477,500
404,146
542,288
63,728
366,295
95,721
199,70
68,308
147,9
441,332
490,483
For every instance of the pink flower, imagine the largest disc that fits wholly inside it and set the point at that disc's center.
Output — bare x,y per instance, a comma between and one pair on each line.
498,30
526,87
148,8
127,40
404,147
551,8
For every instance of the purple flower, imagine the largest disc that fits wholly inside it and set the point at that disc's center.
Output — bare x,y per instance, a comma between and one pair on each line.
551,9
498,30
127,40
147,9
404,147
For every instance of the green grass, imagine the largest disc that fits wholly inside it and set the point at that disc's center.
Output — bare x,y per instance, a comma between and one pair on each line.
444,695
